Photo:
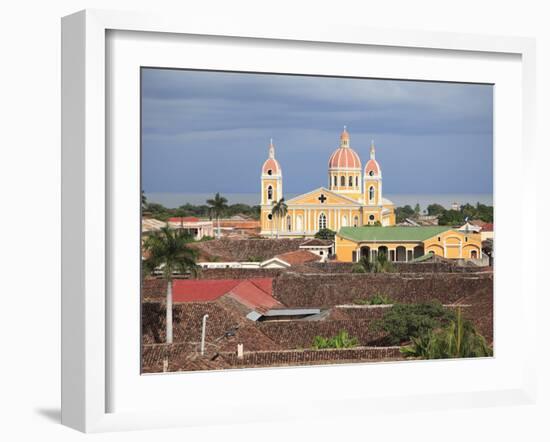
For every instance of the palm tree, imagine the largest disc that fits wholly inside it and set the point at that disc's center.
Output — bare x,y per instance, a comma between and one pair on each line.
167,249
279,211
218,205
459,339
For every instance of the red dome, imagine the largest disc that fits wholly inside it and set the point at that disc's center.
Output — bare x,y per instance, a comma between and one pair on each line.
372,166
344,157
271,164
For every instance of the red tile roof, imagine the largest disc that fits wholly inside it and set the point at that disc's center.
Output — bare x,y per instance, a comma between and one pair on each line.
265,284
254,293
201,290
299,257
253,297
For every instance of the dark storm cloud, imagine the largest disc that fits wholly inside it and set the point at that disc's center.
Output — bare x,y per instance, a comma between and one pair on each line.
431,137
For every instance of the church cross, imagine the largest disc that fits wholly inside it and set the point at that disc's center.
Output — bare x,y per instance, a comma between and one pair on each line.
322,198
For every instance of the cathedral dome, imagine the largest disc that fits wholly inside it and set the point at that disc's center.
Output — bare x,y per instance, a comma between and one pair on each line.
344,157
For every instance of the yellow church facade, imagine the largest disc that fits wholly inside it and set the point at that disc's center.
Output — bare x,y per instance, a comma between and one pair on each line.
353,197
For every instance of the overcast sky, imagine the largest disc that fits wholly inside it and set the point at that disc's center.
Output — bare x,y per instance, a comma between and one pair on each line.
209,131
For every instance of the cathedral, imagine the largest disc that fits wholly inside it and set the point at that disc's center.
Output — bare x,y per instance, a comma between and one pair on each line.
353,196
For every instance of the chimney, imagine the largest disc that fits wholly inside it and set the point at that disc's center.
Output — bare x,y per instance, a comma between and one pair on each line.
240,351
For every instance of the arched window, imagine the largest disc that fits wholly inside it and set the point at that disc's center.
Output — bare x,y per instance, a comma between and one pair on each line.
350,181
289,223
335,180
342,180
356,181
270,172
355,221
371,193
322,221
344,221
269,192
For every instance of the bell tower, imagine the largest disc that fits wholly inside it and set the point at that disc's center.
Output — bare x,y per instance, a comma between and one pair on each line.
272,178
372,180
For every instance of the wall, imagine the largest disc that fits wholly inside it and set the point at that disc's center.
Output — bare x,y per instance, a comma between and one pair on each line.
400,267
329,356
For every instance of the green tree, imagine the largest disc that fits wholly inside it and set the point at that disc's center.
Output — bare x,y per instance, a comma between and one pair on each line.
451,218
218,205
459,339
381,264
435,209
168,251
279,211
325,234
402,213
402,322
417,210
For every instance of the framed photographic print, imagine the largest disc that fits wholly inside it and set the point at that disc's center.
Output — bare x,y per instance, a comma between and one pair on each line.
307,214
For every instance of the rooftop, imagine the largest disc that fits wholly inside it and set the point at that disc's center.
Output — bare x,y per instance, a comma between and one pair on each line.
376,233
187,219
254,293
298,257
316,242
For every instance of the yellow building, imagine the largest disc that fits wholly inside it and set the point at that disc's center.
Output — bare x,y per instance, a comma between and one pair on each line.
406,243
353,196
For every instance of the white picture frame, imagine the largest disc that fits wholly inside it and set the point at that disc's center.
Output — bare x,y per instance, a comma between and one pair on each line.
87,207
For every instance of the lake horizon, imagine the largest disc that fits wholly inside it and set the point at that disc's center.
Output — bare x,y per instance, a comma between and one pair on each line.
174,200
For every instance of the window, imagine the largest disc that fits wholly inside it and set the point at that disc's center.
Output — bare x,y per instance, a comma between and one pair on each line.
344,221
465,239
371,217
342,180
321,252
269,216
356,181
355,221
269,192
371,173
371,193
439,238
335,180
350,181
289,223
270,172
322,221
